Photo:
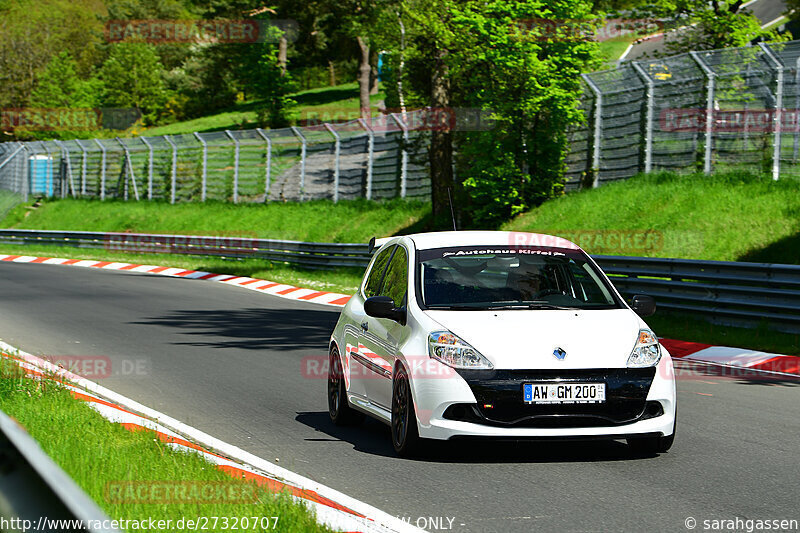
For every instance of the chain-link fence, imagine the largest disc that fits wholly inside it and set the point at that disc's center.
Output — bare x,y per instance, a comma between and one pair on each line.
377,159
700,111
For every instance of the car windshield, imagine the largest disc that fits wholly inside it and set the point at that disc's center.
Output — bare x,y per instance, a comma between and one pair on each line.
483,277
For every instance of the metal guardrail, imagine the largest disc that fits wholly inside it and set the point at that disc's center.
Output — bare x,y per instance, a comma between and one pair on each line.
307,254
35,491
733,293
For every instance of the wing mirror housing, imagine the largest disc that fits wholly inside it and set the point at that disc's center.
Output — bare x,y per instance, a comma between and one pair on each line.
383,307
643,305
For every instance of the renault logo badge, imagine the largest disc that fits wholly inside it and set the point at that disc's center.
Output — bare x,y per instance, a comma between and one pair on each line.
560,354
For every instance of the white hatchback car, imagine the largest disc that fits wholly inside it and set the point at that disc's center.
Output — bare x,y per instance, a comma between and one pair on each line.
498,334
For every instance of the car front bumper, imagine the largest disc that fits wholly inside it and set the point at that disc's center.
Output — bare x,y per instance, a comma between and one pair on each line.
638,402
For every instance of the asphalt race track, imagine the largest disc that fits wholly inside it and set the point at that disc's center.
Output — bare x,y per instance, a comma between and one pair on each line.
228,361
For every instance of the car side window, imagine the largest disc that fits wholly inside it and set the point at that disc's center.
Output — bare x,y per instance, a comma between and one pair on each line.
395,283
373,285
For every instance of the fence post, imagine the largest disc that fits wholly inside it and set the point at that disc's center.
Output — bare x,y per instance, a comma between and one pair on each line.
710,86
65,154
403,156
83,166
235,166
796,109
370,154
129,164
598,128
102,169
268,172
205,167
174,177
778,119
149,168
26,164
648,134
302,161
337,147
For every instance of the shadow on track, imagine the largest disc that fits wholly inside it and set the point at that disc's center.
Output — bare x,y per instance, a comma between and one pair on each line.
250,329
373,438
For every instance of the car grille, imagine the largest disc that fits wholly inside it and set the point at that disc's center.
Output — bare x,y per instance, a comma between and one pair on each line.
626,395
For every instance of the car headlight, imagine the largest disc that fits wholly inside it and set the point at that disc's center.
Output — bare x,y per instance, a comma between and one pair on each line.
647,351
453,351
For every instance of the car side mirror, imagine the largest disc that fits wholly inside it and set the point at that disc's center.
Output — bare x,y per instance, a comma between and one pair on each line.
643,305
383,307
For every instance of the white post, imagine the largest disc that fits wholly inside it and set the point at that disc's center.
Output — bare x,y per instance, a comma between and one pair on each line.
174,178
268,172
710,86
778,119
83,167
65,153
205,167
648,138
130,169
102,170
149,168
235,166
403,156
337,147
370,154
302,161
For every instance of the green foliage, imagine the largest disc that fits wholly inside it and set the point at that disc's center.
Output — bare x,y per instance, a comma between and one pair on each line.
60,86
718,24
528,81
132,75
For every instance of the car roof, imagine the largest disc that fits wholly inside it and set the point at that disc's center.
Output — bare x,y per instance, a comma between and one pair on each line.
443,239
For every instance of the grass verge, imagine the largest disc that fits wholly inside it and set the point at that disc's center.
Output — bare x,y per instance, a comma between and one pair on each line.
688,328
317,221
95,452
734,216
327,104
343,280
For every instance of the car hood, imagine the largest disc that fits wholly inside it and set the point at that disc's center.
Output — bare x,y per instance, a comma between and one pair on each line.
526,339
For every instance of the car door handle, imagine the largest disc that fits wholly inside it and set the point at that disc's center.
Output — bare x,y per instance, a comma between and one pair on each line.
365,326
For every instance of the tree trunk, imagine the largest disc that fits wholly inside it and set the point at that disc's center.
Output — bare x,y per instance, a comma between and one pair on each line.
364,71
373,73
332,72
283,44
441,151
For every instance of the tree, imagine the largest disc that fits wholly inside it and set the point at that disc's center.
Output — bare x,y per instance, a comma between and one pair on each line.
60,86
474,54
708,25
134,77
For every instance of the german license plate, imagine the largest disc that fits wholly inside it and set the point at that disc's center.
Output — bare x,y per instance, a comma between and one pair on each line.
564,392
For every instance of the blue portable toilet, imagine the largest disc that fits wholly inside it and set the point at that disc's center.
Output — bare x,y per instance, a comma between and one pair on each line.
41,175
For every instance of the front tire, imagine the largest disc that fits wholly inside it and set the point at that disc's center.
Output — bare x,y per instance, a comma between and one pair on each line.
405,434
338,407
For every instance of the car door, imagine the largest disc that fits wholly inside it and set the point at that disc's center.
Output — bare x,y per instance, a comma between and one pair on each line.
381,338
357,371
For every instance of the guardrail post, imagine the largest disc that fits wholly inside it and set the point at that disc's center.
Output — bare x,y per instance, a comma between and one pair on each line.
235,166
268,171
149,167
403,156
174,177
598,128
302,161
648,135
204,178
337,146
710,87
129,164
778,119
84,157
370,154
102,169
